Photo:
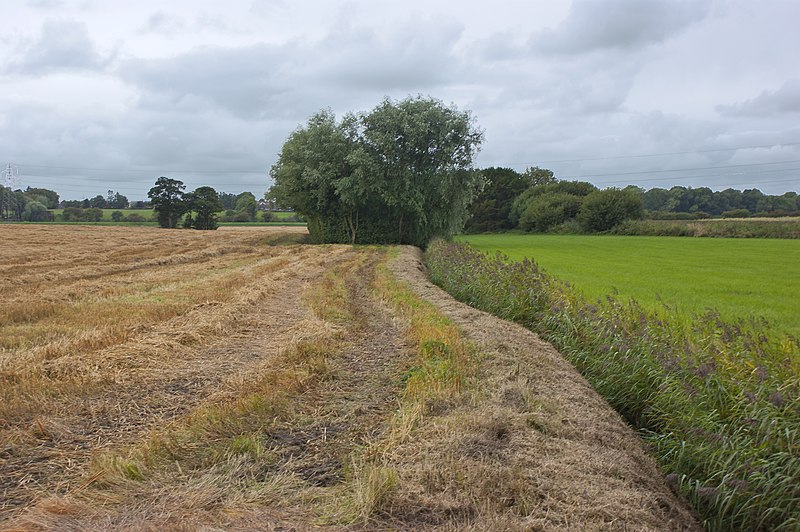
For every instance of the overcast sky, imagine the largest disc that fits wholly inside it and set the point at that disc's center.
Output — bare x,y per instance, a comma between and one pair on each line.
98,95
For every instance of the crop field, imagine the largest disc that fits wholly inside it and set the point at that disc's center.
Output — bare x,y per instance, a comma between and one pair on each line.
239,379
150,214
146,213
741,278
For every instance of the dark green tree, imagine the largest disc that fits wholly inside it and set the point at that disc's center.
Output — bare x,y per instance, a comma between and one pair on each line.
98,202
529,201
603,209
36,211
401,173
491,208
206,204
536,176
228,200
656,199
246,207
167,198
50,196
545,211
115,200
93,214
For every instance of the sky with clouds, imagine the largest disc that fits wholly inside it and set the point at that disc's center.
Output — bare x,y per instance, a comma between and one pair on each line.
100,95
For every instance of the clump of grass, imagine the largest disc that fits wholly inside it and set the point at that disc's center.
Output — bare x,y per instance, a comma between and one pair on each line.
718,402
372,486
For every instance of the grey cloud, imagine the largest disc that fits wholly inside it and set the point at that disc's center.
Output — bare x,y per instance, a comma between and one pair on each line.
618,24
289,81
247,82
499,47
45,4
769,103
416,56
55,151
163,23
169,25
63,45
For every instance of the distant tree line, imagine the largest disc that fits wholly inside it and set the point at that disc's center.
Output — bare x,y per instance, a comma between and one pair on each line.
36,204
112,200
199,209
30,205
703,201
536,201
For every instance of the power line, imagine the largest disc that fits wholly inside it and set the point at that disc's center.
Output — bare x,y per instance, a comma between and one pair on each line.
678,178
263,172
663,154
149,171
640,172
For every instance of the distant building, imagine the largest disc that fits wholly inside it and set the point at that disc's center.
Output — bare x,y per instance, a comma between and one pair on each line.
271,205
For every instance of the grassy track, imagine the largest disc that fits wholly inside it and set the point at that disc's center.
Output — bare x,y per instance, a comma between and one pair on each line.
738,277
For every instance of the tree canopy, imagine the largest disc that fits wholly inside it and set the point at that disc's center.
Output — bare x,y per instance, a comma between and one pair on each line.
401,173
491,208
205,203
168,200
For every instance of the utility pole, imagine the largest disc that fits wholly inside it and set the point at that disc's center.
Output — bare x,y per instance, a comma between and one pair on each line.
10,178
11,175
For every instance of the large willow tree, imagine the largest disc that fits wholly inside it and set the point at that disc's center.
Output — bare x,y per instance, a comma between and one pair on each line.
401,173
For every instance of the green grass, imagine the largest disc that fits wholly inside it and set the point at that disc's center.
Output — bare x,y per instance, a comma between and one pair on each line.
279,216
147,213
738,277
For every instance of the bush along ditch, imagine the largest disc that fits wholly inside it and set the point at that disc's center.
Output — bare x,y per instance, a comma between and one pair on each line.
718,403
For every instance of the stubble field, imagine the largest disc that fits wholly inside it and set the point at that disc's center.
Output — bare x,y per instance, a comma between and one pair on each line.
236,379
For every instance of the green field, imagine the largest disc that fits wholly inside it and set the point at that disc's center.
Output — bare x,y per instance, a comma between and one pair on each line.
738,277
149,213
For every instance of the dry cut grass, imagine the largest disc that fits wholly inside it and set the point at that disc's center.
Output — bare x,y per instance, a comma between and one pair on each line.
123,329
252,387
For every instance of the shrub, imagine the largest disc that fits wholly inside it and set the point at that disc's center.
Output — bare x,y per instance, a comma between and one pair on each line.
116,216
242,217
548,210
736,213
603,209
94,214
36,211
134,217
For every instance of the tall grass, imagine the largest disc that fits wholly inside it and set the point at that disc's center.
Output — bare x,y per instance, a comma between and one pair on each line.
739,228
718,402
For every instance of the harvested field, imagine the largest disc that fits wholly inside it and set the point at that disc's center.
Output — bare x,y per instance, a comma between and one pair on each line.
157,379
